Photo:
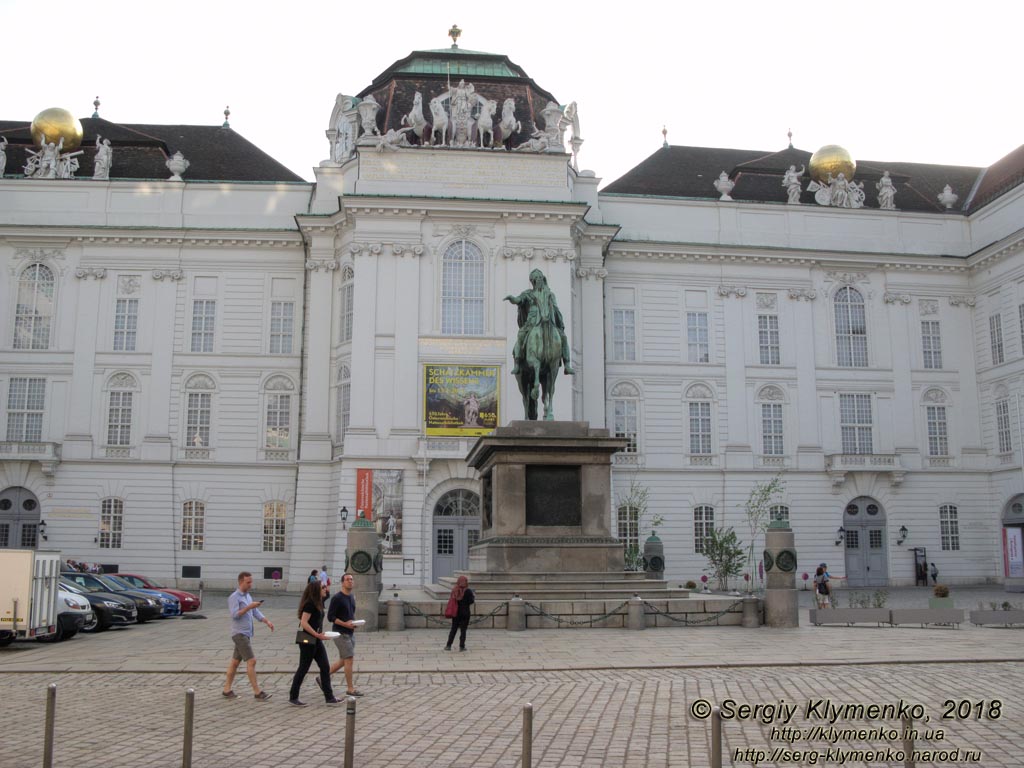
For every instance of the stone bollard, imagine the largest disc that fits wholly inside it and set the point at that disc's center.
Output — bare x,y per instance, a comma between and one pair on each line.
635,619
516,615
396,614
751,612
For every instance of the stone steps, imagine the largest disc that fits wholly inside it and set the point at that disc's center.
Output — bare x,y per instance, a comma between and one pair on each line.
559,586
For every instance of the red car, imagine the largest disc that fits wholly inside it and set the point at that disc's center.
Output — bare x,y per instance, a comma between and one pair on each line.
189,602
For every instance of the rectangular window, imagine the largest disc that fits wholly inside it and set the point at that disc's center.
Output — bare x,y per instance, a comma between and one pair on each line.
281,326
623,334
771,429
347,297
1020,317
204,317
768,339
703,525
700,428
197,429
1003,426
855,423
29,535
278,420
111,523
629,528
274,514
119,419
25,401
995,332
697,337
625,423
5,535
931,344
126,324
193,519
949,527
938,439
778,512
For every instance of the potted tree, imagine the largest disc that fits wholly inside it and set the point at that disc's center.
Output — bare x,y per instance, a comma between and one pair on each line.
942,598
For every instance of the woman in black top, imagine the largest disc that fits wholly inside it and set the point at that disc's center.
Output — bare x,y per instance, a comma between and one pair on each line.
311,617
464,597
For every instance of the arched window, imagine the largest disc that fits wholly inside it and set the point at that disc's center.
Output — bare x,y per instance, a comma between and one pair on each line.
193,522
199,407
111,523
458,503
851,329
949,527
703,525
462,289
344,400
348,284
279,412
34,309
274,514
625,418
119,412
699,407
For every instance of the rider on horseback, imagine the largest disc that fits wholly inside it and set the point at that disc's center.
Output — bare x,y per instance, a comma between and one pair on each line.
537,306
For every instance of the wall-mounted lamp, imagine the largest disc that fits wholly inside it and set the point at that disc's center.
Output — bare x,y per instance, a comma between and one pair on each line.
42,529
840,535
343,514
903,535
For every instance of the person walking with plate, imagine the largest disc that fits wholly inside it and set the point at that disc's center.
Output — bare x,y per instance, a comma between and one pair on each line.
311,647
342,615
243,610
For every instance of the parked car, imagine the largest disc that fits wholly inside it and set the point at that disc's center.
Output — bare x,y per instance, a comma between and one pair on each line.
189,601
107,609
169,604
147,607
73,613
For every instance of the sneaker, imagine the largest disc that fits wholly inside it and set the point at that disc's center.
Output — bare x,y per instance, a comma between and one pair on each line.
332,701
262,696
296,703
319,684
229,694
354,693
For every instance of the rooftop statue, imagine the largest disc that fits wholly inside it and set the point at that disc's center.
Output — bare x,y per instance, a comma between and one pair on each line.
791,181
886,192
541,346
3,156
104,159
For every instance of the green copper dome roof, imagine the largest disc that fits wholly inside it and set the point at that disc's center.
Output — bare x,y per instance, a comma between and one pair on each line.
458,61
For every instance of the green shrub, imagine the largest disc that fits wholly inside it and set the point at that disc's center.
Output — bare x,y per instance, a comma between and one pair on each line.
941,590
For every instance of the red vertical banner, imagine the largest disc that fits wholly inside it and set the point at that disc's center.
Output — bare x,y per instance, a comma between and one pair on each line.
364,493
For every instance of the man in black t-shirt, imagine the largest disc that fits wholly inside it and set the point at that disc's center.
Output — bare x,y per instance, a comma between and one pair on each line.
341,614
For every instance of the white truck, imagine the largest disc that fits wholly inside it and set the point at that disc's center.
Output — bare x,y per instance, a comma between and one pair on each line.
28,594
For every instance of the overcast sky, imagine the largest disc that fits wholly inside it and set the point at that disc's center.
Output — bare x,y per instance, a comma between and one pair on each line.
899,80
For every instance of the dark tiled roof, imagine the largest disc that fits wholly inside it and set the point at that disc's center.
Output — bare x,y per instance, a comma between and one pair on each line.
690,172
141,151
999,178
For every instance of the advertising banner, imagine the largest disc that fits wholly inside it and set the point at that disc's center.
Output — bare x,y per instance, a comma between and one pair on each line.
388,495
461,400
1013,554
364,493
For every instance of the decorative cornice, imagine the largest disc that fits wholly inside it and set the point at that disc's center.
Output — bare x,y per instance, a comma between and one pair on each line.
553,254
96,273
464,231
767,301
847,277
513,252
364,249
39,254
803,294
956,301
739,291
591,273
406,249
928,306
893,298
169,274
326,265
196,242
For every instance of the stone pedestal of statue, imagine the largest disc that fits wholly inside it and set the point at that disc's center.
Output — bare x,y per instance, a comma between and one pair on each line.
364,559
780,596
547,503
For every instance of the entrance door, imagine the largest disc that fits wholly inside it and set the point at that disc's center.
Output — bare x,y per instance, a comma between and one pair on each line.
19,519
867,561
456,529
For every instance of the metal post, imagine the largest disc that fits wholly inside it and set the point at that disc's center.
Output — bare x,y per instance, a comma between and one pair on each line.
527,736
908,743
350,731
190,711
51,716
716,737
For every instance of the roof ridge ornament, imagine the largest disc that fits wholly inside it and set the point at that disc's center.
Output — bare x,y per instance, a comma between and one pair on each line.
227,114
789,134
664,137
454,33
96,107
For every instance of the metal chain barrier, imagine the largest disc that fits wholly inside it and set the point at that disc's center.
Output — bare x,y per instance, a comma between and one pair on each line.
447,622
709,618
590,620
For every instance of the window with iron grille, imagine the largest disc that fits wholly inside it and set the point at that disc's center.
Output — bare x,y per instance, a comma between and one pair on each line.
282,324
771,429
949,527
938,439
204,318
623,334
462,289
851,329
855,423
700,428
931,344
703,525
126,324
274,521
1003,426
698,350
119,419
111,523
26,399
768,339
193,521
995,333
33,311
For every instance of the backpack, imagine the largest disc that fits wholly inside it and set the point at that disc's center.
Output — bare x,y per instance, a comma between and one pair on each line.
823,586
452,609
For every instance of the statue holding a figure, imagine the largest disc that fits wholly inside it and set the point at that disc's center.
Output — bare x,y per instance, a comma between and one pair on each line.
541,346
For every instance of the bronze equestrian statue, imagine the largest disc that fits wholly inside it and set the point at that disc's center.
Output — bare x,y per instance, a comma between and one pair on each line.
541,346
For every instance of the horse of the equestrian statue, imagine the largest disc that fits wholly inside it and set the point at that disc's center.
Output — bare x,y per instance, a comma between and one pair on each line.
541,346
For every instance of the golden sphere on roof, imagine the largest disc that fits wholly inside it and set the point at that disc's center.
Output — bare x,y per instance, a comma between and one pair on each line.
832,159
51,125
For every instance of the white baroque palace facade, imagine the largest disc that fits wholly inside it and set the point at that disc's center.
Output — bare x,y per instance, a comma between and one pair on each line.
213,374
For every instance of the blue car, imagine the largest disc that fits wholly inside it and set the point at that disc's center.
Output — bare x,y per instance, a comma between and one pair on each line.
169,604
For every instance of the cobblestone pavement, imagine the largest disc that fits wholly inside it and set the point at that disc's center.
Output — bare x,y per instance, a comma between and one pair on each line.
601,697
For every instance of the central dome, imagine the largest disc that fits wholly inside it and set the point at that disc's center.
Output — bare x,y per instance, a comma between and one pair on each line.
831,160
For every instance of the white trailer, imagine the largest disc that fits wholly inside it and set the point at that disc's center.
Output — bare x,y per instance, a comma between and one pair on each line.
29,583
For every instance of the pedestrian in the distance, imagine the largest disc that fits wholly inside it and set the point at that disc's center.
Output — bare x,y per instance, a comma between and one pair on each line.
314,575
821,587
935,574
463,596
311,618
325,580
243,610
